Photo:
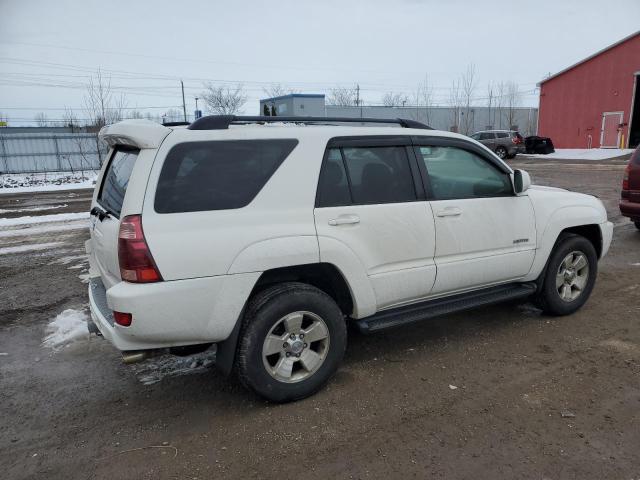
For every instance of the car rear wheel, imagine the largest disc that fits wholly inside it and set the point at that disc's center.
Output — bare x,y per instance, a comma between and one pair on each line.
501,152
292,341
570,276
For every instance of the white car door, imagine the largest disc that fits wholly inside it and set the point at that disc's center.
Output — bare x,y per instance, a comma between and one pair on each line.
485,234
370,207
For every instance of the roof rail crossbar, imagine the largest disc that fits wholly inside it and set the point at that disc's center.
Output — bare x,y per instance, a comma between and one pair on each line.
222,122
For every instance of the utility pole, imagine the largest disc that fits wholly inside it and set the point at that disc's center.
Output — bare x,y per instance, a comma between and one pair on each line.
358,98
184,106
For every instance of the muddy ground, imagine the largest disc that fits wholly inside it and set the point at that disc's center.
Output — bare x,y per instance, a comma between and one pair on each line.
537,397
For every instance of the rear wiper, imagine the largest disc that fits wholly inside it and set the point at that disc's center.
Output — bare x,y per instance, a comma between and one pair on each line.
101,213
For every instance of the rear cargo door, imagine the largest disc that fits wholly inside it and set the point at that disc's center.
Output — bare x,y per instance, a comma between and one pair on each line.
106,210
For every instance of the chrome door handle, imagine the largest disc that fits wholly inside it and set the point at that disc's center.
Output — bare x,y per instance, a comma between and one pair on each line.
449,212
344,220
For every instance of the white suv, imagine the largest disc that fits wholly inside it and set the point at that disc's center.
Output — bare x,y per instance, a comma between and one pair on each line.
267,239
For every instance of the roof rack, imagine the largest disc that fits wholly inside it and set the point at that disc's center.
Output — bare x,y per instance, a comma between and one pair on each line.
175,124
222,122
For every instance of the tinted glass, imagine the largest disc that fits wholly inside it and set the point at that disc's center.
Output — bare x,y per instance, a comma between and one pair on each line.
476,136
457,173
487,136
116,179
217,175
379,175
502,134
333,188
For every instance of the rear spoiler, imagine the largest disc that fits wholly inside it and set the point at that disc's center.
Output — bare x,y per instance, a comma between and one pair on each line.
134,133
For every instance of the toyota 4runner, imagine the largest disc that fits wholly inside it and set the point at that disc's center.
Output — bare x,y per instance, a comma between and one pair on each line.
267,239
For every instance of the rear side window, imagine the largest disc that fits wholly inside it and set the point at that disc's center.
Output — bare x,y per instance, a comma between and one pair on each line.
502,134
217,175
366,176
116,180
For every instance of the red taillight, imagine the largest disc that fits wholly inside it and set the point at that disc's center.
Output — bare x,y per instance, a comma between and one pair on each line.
136,261
625,177
123,319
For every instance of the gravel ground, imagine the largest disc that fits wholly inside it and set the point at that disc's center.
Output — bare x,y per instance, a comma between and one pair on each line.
535,397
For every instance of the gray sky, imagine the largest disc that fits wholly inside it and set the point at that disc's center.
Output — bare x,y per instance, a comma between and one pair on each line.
49,48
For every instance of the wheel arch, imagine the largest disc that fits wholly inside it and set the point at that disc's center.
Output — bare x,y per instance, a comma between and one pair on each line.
324,276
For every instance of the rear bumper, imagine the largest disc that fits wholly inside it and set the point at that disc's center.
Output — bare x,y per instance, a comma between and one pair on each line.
170,314
630,209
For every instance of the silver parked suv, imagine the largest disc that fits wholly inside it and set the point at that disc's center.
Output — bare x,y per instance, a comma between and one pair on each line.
506,143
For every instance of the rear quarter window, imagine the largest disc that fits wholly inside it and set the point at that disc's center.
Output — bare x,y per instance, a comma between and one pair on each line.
217,175
116,179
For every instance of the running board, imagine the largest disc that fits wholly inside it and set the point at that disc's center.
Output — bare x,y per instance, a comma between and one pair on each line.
444,306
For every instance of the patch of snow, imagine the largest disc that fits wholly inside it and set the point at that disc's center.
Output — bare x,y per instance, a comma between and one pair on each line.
30,247
45,182
28,220
68,327
32,209
33,231
585,153
155,369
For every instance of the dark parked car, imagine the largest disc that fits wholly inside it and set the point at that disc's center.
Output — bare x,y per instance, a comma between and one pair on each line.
505,143
630,202
539,145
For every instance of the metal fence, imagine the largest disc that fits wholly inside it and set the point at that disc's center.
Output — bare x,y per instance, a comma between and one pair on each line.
50,152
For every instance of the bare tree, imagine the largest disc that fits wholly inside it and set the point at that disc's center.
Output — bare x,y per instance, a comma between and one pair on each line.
467,90
41,119
423,100
136,114
103,105
511,102
500,102
455,103
490,99
70,119
224,100
391,99
278,90
343,96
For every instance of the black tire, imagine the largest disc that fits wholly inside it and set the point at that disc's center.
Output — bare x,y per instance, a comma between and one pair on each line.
549,299
263,313
637,224
501,152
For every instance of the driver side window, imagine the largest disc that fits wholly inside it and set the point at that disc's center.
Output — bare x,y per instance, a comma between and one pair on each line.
457,173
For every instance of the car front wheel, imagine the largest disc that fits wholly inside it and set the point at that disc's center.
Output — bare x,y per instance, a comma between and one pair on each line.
293,340
570,276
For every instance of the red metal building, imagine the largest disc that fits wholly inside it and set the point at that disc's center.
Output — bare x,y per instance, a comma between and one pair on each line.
596,102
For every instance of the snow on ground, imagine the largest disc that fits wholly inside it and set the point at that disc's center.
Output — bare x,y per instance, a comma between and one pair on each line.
30,247
44,182
32,209
68,327
31,231
585,153
29,220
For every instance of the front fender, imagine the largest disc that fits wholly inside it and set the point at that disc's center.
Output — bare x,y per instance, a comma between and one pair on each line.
561,219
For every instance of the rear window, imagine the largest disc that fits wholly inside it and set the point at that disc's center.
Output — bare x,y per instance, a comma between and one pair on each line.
116,180
217,175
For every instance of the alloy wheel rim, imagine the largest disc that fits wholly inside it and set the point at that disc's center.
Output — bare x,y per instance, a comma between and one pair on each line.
295,347
572,276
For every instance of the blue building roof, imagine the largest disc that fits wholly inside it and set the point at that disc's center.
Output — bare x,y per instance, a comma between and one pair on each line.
293,95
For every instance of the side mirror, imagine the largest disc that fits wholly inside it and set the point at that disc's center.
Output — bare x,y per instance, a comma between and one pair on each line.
521,181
